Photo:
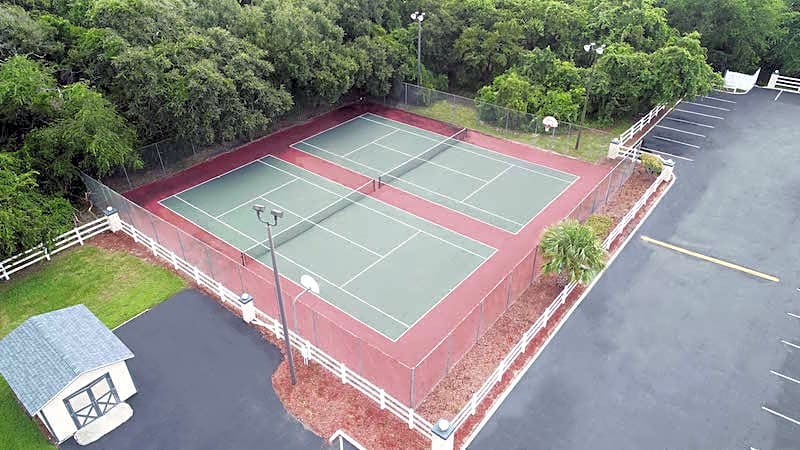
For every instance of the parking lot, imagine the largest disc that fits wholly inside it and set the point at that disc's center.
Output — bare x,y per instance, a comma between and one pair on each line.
204,381
683,133
669,350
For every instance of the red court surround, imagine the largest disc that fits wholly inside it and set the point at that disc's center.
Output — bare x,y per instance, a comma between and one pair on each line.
419,341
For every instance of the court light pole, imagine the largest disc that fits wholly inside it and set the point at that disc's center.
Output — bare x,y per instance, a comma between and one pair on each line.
277,214
594,49
418,17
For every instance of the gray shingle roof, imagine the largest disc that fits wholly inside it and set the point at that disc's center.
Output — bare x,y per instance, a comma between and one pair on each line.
47,352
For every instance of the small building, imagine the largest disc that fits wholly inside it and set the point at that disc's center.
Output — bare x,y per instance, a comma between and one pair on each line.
67,370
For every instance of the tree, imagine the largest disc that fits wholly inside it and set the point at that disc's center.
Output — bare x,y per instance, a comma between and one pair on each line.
680,70
27,217
86,133
485,54
737,33
25,91
573,251
21,34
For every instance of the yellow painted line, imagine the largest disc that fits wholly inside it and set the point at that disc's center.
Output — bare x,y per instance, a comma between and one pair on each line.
727,264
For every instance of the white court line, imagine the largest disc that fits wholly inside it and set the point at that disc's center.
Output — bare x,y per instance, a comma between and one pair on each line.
681,131
707,106
676,142
374,141
699,114
785,377
261,243
488,182
384,214
339,287
318,224
793,315
331,128
208,180
689,122
380,259
668,154
428,161
790,344
346,312
794,421
401,179
473,152
256,198
719,99
779,94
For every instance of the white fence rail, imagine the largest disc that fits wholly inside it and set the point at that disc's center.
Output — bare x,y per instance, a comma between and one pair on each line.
472,406
640,125
777,81
76,236
309,352
306,349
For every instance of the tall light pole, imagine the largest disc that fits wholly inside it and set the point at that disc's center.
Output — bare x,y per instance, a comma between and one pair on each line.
419,17
588,48
276,214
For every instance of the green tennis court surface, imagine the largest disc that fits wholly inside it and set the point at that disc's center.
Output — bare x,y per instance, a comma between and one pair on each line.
379,264
498,189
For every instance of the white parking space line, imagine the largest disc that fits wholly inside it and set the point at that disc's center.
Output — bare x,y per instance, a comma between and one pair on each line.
776,413
668,154
676,142
779,94
681,131
790,344
699,114
689,122
707,106
785,377
719,99
793,315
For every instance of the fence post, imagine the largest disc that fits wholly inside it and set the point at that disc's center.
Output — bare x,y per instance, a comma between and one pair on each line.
46,253
382,398
343,372
773,79
613,148
78,235
442,436
5,274
248,307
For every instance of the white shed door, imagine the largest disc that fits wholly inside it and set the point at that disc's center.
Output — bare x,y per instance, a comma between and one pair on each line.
92,401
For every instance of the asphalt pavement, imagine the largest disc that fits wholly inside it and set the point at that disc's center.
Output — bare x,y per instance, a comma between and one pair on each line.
204,381
669,351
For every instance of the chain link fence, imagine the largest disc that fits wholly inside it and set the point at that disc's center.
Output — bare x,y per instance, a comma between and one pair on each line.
169,156
588,144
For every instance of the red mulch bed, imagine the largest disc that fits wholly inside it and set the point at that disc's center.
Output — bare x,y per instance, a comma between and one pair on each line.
323,404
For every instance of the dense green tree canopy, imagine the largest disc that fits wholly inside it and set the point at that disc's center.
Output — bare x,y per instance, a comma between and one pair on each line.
85,82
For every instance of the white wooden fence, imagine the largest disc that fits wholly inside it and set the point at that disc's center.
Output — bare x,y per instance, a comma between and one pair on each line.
777,81
309,352
305,347
640,125
519,348
76,236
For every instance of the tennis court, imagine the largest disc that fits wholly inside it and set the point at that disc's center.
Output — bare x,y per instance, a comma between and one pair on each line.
379,264
481,183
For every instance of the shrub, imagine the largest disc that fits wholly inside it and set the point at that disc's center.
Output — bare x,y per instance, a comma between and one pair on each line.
652,163
600,224
573,251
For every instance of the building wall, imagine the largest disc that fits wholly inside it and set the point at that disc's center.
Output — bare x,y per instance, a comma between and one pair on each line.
56,411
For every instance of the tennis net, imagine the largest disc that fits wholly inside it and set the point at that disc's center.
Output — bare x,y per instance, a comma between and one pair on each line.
427,155
307,223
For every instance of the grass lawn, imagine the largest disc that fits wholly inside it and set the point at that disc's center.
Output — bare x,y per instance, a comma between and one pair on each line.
594,143
115,286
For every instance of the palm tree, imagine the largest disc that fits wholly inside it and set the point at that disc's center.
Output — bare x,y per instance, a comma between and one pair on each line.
573,251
